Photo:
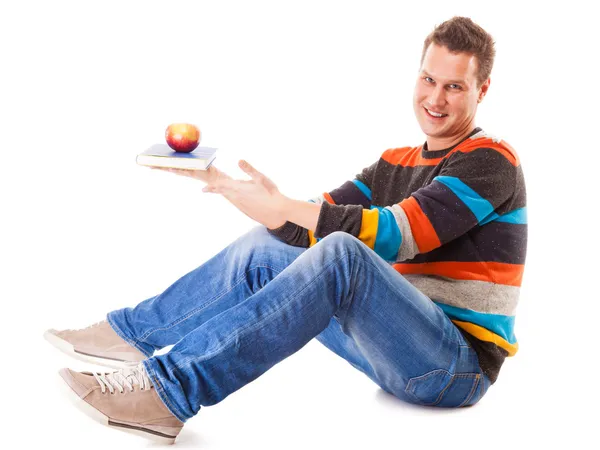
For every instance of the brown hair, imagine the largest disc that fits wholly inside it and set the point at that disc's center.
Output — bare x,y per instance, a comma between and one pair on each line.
462,35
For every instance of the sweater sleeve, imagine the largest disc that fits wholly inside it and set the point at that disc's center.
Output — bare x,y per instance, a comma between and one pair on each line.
356,192
469,188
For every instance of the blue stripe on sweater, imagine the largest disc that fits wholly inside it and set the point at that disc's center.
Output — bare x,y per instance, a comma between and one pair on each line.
517,216
363,188
499,324
478,205
388,238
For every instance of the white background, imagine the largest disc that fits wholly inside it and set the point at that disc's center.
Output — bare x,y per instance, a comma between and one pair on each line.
309,93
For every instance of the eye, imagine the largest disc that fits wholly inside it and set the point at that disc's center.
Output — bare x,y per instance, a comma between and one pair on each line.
457,86
428,78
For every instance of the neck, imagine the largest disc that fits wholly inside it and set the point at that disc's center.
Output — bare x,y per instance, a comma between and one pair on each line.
444,143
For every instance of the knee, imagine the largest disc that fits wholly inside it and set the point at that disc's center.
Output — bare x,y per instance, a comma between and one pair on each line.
255,241
258,232
341,240
339,236
254,238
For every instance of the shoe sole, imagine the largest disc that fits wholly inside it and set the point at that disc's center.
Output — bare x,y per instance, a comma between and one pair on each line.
99,417
68,349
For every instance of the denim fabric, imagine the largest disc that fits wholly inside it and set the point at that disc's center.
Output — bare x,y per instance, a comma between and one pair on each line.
259,300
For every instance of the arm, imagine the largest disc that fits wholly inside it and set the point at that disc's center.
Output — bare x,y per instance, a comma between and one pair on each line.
303,214
470,187
302,217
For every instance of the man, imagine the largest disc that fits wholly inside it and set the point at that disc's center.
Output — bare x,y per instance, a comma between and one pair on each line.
411,272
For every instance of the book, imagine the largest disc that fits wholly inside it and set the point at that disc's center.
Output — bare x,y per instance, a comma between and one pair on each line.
161,155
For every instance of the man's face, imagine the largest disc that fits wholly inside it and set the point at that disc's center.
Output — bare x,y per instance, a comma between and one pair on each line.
447,84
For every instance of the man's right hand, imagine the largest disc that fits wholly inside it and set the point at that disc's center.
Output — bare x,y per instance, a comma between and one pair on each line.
210,175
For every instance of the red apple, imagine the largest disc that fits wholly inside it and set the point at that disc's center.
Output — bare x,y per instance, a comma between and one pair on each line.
182,137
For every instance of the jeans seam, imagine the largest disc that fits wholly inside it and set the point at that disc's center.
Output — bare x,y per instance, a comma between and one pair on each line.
248,329
195,311
481,390
411,382
470,396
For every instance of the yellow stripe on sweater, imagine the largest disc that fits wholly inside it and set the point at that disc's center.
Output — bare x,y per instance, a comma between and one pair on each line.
484,334
312,240
368,227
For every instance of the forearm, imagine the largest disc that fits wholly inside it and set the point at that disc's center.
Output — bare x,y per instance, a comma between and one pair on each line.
302,213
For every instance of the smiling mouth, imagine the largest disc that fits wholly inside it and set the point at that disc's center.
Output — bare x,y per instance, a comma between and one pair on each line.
434,115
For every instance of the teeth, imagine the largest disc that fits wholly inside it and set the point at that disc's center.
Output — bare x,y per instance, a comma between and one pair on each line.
435,114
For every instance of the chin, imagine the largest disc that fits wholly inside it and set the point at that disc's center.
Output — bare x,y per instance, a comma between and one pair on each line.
432,130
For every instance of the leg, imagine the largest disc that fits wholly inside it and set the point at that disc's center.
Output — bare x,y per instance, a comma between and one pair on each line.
190,300
414,350
344,346
228,278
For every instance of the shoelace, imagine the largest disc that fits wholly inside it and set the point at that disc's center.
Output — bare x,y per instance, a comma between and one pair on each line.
128,377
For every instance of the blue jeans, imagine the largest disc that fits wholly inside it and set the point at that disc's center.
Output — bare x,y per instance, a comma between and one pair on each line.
259,300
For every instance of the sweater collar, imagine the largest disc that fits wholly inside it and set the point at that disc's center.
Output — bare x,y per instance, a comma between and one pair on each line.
432,154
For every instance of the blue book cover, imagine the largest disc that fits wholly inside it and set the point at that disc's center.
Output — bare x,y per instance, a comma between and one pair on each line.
164,156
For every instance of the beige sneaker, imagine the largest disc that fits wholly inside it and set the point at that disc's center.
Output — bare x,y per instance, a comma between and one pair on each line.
97,344
124,399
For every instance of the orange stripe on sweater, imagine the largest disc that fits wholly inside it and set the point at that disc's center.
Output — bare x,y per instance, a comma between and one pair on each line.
502,147
422,230
328,198
495,272
408,157
411,156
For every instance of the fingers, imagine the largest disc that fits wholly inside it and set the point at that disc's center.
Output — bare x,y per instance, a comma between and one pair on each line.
229,194
247,167
164,169
184,172
228,187
256,175
217,187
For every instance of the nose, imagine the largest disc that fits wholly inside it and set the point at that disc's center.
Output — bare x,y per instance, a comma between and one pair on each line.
437,98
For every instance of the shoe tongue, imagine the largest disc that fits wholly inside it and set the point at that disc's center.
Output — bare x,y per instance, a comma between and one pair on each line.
131,375
134,375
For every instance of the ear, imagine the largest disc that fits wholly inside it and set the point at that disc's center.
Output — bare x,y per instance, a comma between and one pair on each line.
483,90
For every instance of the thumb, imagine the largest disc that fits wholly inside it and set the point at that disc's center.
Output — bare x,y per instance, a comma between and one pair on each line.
246,167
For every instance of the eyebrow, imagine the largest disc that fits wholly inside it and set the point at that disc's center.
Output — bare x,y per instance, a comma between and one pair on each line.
451,81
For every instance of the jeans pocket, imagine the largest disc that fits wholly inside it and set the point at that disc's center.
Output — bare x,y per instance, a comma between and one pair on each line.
441,388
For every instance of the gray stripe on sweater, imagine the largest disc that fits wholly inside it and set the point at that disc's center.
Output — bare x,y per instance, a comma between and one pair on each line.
480,296
408,248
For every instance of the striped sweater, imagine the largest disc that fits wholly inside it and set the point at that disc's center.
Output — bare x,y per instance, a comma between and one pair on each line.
453,222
